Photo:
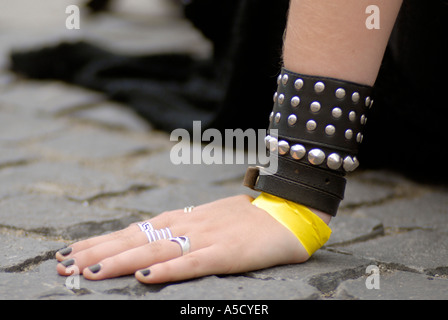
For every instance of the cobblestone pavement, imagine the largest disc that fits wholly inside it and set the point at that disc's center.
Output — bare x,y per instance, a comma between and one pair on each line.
73,165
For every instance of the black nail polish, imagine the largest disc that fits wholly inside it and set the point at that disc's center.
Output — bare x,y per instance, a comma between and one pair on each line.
145,272
68,263
95,268
66,251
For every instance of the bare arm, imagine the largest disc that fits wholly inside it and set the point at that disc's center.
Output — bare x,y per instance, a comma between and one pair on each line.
330,38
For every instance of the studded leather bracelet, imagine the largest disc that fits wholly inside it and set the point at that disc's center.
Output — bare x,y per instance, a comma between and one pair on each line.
316,128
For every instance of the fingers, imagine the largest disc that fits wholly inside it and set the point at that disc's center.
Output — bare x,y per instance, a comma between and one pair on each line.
92,255
68,252
163,220
141,257
119,253
192,265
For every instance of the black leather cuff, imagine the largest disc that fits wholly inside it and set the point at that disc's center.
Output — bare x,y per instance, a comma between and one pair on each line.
315,130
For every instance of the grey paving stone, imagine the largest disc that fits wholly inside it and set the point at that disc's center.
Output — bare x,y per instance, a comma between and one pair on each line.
40,282
361,192
161,165
56,216
143,35
33,17
12,155
19,127
427,209
26,286
68,179
21,251
47,97
238,287
418,250
346,229
93,144
397,285
325,270
6,77
113,115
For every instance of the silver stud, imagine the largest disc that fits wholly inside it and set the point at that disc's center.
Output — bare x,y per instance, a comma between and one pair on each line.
359,137
334,161
319,87
311,125
316,157
271,116
281,98
340,93
266,141
352,115
348,164
356,163
367,101
330,130
277,117
371,103
273,144
363,119
355,97
275,97
279,78
315,106
292,119
298,84
348,134
297,151
283,147
285,79
336,112
295,101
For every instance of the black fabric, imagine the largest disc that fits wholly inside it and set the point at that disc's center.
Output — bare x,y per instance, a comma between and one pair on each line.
406,130
234,88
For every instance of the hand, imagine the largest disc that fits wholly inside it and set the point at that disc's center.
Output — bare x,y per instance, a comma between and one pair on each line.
227,236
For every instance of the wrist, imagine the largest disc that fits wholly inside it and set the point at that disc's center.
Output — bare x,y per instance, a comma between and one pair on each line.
310,229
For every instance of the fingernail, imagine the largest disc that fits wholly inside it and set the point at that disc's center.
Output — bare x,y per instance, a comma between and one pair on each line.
65,251
95,268
145,272
68,263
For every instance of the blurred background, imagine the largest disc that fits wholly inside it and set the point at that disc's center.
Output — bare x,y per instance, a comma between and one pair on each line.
132,26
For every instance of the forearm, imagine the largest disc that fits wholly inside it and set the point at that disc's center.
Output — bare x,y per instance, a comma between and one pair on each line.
330,38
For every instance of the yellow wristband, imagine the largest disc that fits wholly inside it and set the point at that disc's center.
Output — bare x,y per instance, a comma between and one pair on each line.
310,230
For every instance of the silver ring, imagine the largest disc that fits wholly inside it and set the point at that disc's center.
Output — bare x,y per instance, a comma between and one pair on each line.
154,235
184,243
188,209
144,226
